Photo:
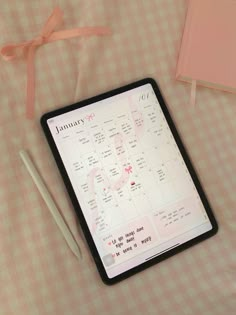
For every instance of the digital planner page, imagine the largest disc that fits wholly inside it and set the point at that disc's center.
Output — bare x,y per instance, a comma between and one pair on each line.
132,184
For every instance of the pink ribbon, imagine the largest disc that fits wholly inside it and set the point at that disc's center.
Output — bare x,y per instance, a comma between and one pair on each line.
193,93
90,117
128,169
10,52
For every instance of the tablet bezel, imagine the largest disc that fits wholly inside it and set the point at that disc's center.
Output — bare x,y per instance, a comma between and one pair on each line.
75,202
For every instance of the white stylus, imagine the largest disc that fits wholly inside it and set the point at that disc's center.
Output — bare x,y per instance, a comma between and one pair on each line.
50,203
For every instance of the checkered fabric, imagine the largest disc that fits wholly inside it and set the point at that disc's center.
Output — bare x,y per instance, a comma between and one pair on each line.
39,275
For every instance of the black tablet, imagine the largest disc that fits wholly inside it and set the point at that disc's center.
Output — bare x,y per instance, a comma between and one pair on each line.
132,185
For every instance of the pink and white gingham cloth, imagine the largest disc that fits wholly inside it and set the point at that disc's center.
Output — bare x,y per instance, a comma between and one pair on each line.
38,273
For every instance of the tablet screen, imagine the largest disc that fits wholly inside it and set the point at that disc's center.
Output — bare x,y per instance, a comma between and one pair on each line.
133,186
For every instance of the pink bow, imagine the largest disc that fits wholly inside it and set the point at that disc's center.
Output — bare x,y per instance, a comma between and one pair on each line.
128,169
10,52
90,117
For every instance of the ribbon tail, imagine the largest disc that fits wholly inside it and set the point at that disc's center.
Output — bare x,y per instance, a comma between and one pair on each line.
30,83
81,31
193,93
54,20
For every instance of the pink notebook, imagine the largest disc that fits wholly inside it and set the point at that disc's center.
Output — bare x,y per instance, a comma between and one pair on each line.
208,50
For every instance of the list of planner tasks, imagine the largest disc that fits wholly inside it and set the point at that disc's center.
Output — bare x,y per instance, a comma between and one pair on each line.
131,180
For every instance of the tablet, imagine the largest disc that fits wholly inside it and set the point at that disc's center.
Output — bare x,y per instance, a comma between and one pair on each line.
131,182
